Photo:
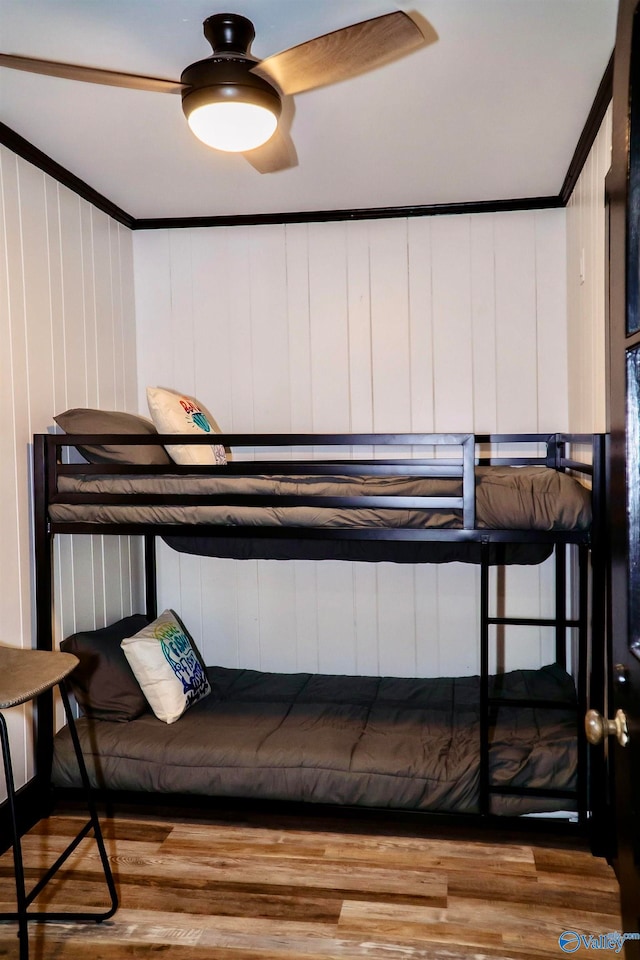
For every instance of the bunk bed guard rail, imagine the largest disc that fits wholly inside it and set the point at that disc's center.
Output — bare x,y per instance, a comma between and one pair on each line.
447,457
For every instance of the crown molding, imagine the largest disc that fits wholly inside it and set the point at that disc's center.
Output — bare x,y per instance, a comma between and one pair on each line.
9,138
364,213
589,133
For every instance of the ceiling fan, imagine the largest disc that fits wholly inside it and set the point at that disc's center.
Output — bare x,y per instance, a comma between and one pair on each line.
231,91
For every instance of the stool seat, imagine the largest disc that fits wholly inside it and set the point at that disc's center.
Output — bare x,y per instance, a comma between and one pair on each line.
25,674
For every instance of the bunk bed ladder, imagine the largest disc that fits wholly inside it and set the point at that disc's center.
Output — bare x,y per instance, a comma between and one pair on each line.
491,700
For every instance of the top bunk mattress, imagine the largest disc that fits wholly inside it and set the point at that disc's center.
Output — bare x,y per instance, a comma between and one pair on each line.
507,498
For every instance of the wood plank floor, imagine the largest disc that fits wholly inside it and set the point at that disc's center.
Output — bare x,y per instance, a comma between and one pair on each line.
290,889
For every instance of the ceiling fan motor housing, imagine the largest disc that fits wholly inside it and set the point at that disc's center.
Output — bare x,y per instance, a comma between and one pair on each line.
226,75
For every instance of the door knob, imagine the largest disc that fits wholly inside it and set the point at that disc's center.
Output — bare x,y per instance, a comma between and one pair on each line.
597,727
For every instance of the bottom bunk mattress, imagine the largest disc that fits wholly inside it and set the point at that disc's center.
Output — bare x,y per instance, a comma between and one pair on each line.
406,744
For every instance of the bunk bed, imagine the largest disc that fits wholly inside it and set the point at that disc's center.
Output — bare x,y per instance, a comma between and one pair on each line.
482,746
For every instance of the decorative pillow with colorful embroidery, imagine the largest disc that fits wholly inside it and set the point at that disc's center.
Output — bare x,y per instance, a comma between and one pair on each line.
174,412
167,666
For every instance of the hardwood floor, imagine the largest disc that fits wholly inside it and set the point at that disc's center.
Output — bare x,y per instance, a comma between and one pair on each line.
275,888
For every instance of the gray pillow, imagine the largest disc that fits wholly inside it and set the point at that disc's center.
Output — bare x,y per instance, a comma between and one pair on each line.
83,420
103,683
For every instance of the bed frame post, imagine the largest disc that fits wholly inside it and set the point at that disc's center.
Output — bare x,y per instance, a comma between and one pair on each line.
43,550
561,604
584,799
150,580
598,565
484,804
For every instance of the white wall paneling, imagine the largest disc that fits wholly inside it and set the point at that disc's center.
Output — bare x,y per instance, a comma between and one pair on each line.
586,289
67,339
443,323
452,332
586,271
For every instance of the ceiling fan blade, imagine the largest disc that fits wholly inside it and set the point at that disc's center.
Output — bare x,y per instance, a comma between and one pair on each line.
72,71
276,154
343,53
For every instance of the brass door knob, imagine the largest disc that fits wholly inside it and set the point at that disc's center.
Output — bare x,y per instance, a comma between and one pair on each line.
597,727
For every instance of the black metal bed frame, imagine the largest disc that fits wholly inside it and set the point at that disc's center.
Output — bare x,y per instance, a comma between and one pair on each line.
474,450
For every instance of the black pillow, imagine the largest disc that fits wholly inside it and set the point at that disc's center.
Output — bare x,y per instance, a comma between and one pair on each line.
103,683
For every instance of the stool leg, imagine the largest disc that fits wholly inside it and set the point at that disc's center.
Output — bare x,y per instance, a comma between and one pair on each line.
21,898
93,814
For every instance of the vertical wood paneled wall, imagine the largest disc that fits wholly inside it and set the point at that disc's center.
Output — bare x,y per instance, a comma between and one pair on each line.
586,276
67,339
432,324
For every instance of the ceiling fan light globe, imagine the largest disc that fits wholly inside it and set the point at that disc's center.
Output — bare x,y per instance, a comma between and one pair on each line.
233,126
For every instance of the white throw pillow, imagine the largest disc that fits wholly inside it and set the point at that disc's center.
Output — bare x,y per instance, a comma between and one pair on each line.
167,667
174,412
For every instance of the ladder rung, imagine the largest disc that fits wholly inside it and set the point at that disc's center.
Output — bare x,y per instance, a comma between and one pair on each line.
531,702
531,622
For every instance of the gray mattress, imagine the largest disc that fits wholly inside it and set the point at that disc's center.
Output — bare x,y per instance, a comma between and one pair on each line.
507,498
378,742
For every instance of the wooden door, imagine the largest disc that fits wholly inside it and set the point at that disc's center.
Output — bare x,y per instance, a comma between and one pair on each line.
623,185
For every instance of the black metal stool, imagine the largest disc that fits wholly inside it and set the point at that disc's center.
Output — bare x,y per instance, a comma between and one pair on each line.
24,675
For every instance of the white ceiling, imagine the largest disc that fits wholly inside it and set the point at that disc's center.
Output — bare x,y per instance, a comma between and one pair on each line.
492,110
